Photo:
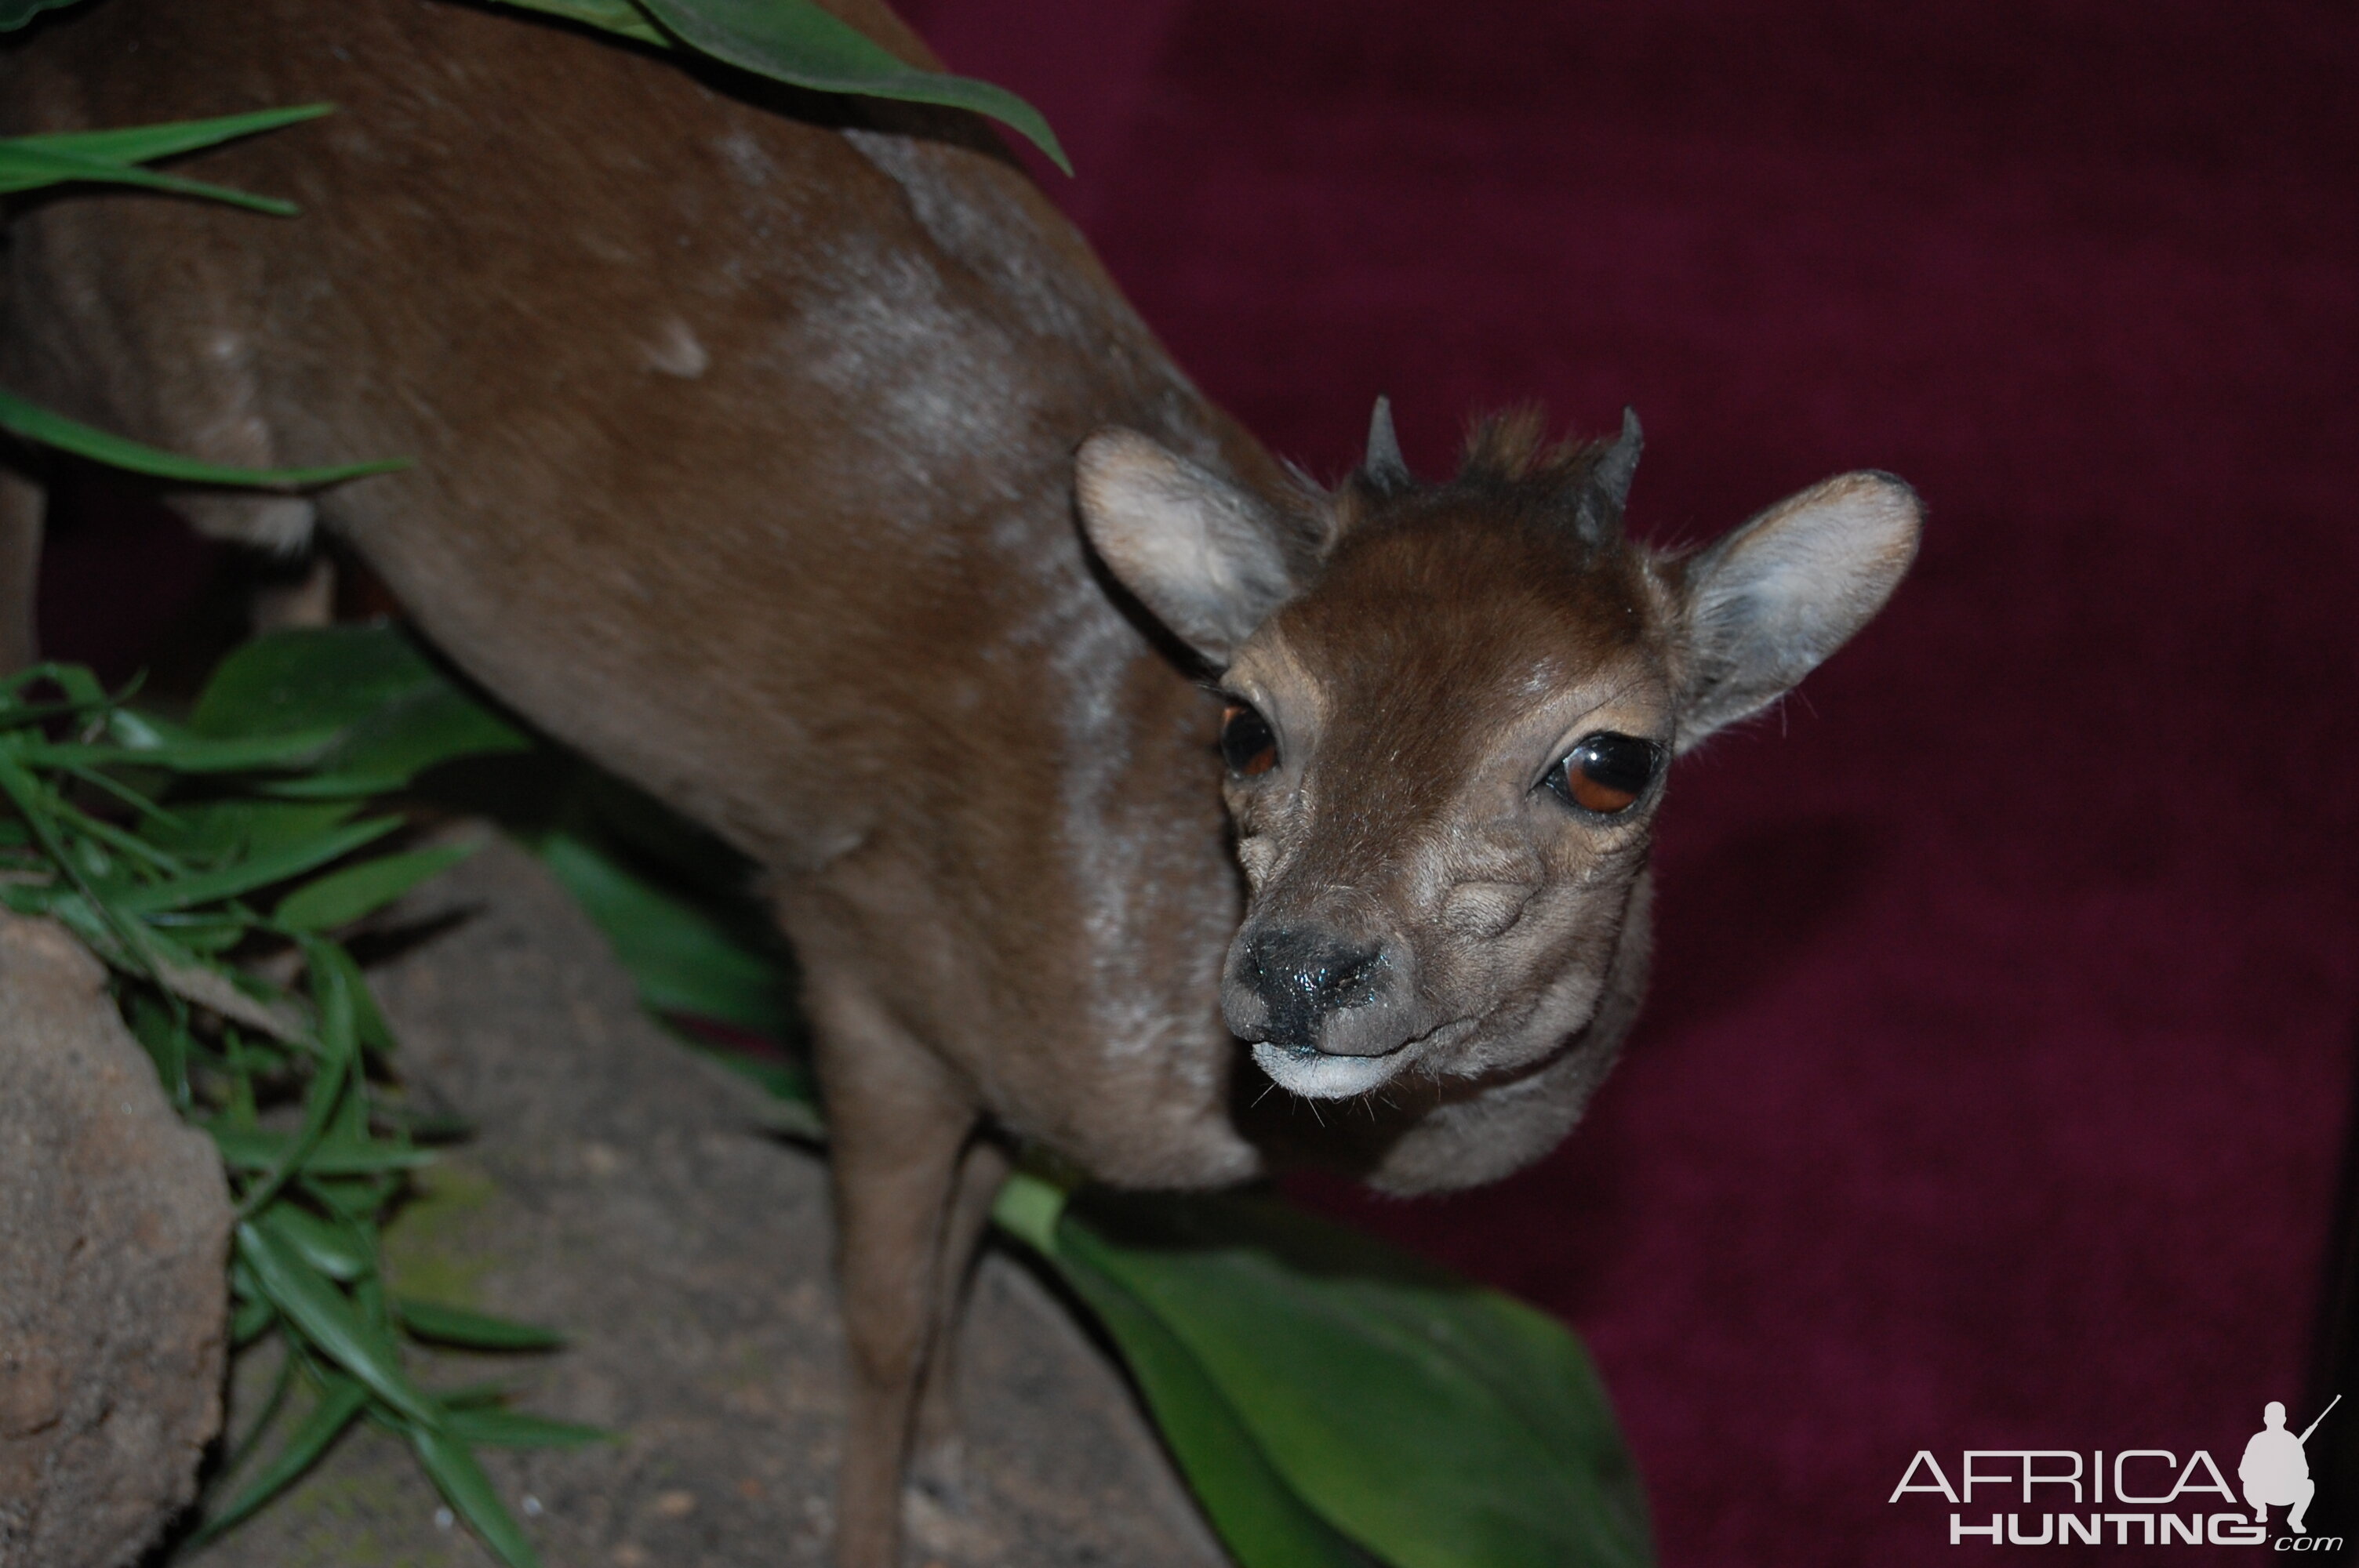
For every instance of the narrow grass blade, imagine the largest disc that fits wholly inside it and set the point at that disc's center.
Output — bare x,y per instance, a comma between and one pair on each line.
345,896
473,1330
276,865
342,1400
30,422
293,749
24,167
143,143
467,1490
796,41
328,1322
326,1247
491,1427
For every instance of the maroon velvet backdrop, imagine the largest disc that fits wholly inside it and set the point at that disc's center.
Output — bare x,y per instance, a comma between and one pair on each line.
1993,1086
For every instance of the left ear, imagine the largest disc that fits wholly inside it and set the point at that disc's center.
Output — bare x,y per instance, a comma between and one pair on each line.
1770,603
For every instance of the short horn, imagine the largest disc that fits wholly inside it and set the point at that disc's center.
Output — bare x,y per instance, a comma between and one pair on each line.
1608,490
1384,464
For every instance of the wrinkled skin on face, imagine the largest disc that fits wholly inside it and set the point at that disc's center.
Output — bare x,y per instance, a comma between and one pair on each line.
1449,711
1423,701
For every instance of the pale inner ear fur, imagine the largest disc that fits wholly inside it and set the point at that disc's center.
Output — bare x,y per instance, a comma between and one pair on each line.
1770,603
1201,554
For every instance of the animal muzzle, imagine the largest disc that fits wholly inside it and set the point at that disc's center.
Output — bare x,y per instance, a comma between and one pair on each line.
1306,987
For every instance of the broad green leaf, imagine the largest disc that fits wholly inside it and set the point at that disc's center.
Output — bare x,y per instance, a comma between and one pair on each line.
325,677
495,1428
142,144
614,16
342,1400
307,1299
248,1151
1437,1424
344,896
467,1490
684,958
474,1330
796,41
237,826
15,13
1258,1516
274,865
30,422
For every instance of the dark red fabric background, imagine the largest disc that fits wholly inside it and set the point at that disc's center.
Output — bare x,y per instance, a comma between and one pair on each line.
1993,1088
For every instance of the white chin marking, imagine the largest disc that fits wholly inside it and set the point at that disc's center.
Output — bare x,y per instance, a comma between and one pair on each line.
1315,1076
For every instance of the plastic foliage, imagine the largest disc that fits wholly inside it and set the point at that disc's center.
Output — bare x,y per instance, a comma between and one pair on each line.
793,41
1333,1402
181,855
116,158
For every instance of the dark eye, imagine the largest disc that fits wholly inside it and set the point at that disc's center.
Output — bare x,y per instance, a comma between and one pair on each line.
1605,774
1248,743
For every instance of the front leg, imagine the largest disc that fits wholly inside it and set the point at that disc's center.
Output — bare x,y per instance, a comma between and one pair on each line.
897,1122
940,1438
22,503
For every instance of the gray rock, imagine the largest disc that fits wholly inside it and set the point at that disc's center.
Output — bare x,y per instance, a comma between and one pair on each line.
114,1222
621,1187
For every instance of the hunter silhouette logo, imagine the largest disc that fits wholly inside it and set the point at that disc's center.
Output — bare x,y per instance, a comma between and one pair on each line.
2276,1471
2131,1496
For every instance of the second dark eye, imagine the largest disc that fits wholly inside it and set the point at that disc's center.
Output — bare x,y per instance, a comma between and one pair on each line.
1248,743
1606,773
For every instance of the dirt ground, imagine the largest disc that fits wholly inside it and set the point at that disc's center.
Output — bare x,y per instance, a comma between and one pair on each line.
625,1190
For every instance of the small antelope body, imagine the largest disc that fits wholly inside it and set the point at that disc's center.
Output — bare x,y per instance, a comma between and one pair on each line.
792,458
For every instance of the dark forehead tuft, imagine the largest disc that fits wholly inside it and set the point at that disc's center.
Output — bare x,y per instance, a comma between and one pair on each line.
1470,582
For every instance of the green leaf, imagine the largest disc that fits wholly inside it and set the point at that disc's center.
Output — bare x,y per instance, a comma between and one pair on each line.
330,1249
495,1428
1258,1516
143,143
274,865
236,826
244,1150
1437,1424
467,1490
30,422
27,166
473,1330
344,896
614,16
326,677
15,13
305,1298
193,756
398,713
796,41
684,958
342,1400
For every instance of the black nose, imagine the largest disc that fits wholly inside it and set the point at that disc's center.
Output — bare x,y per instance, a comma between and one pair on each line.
1302,975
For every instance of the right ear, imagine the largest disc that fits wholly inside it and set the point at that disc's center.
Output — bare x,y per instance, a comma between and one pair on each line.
1199,553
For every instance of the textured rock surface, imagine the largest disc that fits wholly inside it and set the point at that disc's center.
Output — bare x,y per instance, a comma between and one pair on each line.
115,1224
620,1187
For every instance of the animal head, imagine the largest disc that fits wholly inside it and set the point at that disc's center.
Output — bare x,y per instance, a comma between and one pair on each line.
1448,711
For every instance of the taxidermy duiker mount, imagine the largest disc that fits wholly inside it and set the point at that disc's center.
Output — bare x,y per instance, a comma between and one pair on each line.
745,425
